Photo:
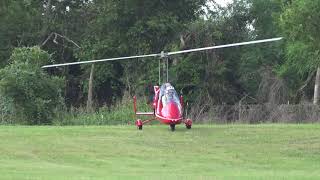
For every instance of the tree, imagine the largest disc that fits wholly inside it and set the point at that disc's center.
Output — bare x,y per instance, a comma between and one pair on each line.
300,27
20,23
36,96
257,69
123,28
212,75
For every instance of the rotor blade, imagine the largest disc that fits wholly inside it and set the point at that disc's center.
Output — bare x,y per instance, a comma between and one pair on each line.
100,60
224,46
167,54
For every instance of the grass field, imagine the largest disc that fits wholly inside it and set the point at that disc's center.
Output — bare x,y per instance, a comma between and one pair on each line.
122,152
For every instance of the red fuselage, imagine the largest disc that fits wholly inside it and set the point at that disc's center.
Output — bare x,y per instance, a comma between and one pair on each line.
168,107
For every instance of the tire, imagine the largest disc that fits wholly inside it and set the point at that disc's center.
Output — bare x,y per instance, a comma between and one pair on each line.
173,127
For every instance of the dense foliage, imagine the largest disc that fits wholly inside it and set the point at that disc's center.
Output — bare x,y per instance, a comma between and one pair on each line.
67,31
300,27
32,95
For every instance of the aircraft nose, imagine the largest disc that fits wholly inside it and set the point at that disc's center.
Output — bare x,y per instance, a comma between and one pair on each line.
171,110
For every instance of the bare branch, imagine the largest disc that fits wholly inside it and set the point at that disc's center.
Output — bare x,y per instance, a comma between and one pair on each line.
61,36
69,40
45,42
307,81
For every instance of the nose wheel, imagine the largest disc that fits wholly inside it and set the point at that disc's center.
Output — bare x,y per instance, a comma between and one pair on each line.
172,127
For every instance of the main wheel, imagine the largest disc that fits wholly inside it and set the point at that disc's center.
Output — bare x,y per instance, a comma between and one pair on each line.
173,127
139,124
188,123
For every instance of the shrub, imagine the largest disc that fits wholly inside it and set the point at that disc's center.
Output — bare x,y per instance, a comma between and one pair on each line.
7,110
34,94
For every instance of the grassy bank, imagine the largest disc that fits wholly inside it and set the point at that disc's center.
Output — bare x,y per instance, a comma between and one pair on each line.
120,114
122,152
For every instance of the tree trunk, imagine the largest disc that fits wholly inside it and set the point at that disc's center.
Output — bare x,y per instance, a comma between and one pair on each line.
316,88
128,84
90,90
47,16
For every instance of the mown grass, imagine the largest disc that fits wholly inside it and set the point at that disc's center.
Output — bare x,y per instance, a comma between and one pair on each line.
122,152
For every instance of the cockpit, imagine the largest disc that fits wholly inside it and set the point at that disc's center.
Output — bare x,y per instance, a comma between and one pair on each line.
169,99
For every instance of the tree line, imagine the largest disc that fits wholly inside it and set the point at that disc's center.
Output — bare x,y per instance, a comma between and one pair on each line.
38,32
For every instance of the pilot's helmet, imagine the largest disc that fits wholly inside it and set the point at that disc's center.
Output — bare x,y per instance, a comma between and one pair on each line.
169,88
167,84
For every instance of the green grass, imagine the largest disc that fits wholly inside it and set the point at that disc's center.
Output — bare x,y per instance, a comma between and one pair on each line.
122,152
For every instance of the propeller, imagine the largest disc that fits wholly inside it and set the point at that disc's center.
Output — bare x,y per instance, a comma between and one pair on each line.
165,55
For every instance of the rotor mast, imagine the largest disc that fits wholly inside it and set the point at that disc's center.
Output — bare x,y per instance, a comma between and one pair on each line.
165,71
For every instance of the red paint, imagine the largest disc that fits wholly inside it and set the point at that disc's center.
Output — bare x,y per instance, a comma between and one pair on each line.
188,122
139,122
168,113
181,101
171,111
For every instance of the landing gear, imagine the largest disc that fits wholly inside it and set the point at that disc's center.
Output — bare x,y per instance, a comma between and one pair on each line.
139,124
173,127
188,123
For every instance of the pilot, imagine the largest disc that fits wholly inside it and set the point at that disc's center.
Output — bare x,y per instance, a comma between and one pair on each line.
164,98
166,93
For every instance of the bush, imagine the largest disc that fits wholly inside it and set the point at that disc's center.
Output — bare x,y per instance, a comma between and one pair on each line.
7,110
35,95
